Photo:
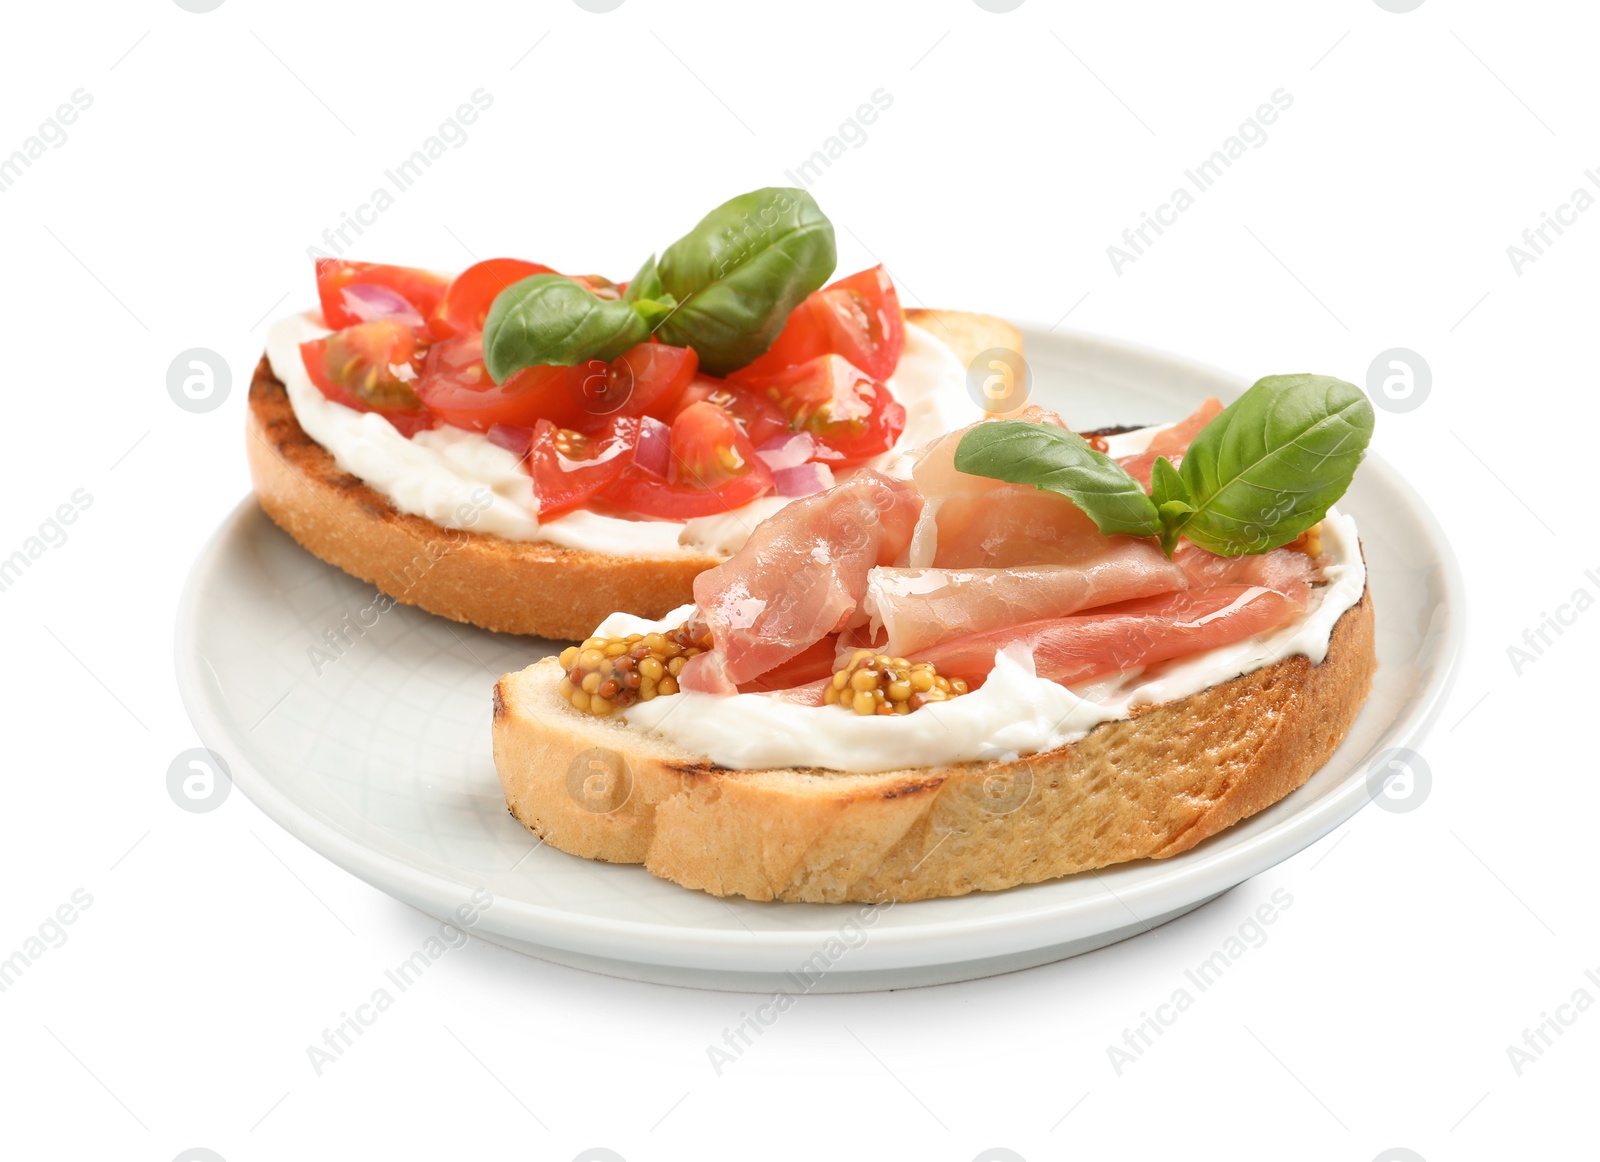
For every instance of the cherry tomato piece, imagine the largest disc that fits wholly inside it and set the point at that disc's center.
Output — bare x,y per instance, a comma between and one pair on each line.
569,467
456,387
649,380
844,408
359,292
759,417
466,303
714,469
858,317
372,367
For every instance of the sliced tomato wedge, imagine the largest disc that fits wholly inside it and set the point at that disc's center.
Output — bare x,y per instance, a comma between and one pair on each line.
372,367
714,469
568,467
757,416
846,409
709,449
858,317
456,385
466,303
648,380
359,292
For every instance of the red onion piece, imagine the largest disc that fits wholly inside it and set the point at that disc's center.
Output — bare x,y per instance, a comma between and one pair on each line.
654,451
802,479
367,302
788,450
513,439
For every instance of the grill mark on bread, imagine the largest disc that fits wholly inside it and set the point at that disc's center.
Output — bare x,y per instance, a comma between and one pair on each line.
694,771
1116,430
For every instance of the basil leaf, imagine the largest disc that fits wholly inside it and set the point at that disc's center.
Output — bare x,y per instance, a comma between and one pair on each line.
550,319
1269,467
644,294
644,285
1173,501
736,276
1056,460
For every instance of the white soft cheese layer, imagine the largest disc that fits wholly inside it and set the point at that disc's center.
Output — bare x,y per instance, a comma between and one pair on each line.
458,479
1013,713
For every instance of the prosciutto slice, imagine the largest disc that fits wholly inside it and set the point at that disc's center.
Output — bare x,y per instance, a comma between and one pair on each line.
813,664
951,568
1070,650
1282,569
799,578
1171,442
973,522
921,607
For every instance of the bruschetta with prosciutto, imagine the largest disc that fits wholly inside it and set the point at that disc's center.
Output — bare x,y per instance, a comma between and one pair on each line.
1040,653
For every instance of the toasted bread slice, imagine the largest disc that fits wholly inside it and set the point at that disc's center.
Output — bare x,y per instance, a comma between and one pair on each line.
967,334
527,587
1144,787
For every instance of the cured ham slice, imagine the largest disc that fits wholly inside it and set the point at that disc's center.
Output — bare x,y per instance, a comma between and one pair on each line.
1011,524
814,664
950,568
1285,570
811,694
1171,442
974,522
800,577
859,635
1121,637
921,607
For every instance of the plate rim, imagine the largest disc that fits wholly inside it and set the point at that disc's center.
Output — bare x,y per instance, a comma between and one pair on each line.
1196,875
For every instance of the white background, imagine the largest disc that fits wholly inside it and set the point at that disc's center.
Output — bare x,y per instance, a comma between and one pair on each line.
1018,146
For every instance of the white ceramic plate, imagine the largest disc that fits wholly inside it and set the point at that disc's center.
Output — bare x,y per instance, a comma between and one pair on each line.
380,759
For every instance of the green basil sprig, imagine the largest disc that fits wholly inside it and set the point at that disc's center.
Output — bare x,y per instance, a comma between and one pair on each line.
550,319
1255,478
736,276
646,295
1173,502
1270,466
1056,460
725,288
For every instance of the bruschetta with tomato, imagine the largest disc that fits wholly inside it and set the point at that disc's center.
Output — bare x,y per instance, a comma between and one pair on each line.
529,451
